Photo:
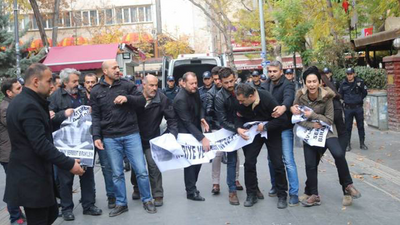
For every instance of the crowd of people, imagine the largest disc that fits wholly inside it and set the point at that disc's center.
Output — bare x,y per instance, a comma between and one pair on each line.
126,117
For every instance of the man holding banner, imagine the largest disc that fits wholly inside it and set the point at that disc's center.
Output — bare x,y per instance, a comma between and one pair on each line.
190,113
158,106
65,99
114,104
259,105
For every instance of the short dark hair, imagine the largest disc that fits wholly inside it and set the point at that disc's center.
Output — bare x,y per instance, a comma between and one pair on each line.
215,70
36,69
187,74
244,89
7,84
89,75
55,77
225,72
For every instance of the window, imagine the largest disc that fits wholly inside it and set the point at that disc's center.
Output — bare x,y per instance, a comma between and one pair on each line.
148,13
118,15
134,14
141,14
109,16
34,23
67,19
93,18
77,19
85,18
126,15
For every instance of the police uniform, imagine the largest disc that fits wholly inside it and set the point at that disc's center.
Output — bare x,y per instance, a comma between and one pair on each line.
353,94
203,93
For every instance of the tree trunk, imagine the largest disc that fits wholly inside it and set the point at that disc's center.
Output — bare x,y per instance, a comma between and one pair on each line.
56,16
39,21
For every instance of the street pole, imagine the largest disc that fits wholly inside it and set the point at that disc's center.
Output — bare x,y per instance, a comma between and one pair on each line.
262,30
16,38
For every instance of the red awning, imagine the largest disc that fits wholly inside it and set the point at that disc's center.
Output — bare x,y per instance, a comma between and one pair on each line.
248,64
84,57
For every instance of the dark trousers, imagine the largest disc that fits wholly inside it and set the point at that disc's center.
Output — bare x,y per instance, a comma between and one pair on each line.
154,175
358,113
191,174
14,211
312,156
41,216
251,152
341,128
66,179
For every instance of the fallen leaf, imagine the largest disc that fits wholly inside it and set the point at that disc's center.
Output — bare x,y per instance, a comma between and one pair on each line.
321,171
379,161
389,154
360,159
360,177
376,177
343,208
352,164
348,223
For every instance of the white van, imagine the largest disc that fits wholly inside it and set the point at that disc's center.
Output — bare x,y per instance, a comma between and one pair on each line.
196,63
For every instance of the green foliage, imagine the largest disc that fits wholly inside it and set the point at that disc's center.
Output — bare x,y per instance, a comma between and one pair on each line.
374,78
374,12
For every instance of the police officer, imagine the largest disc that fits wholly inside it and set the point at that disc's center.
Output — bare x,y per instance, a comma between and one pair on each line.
256,82
207,85
263,78
328,73
171,89
353,91
289,74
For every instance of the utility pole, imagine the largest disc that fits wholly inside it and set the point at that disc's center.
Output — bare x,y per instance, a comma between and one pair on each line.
16,38
263,43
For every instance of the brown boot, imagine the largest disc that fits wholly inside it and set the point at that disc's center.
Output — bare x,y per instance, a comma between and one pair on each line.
239,187
233,199
351,190
260,195
313,200
347,200
215,189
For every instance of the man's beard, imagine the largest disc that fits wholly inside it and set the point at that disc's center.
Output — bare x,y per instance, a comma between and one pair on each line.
73,91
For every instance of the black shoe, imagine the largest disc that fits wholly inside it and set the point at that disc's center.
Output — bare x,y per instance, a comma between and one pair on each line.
68,216
250,201
195,196
282,203
158,201
149,207
135,195
348,147
363,146
93,211
272,192
259,194
111,202
118,210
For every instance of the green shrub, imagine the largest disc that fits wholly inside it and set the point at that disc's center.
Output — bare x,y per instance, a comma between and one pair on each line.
374,78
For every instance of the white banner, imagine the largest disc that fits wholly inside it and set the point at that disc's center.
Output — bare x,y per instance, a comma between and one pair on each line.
74,138
311,136
170,153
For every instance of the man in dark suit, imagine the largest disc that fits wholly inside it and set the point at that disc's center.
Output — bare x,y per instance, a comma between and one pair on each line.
30,180
190,113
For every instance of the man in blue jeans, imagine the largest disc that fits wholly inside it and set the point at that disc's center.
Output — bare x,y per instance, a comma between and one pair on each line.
114,103
283,91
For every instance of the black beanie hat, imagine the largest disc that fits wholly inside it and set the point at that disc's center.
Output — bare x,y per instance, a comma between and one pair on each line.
311,70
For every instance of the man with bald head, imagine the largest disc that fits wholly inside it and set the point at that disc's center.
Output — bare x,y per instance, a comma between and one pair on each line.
30,178
158,105
114,103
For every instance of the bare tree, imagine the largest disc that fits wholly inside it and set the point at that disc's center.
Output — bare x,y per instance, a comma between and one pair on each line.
39,21
215,12
56,16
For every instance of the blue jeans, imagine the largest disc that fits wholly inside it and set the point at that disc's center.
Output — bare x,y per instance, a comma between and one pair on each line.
107,172
14,211
131,146
231,170
288,160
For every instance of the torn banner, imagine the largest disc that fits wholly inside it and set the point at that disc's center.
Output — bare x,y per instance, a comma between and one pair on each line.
74,138
170,153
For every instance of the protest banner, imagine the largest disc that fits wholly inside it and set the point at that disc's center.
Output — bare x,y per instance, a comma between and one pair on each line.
74,138
170,153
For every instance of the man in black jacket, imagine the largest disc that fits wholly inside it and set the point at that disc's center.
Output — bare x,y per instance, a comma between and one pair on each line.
67,98
225,107
114,104
283,91
190,114
30,179
158,106
259,105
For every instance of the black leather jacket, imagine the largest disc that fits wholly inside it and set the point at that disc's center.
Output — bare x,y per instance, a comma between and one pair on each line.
225,107
211,116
